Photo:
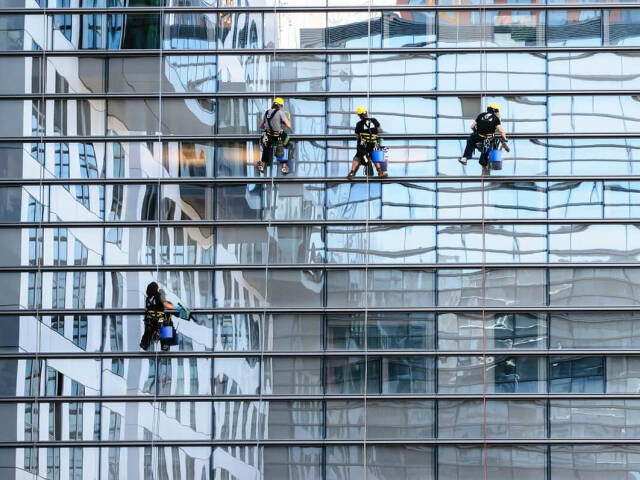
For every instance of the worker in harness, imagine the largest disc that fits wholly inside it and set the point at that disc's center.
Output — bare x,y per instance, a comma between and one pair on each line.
273,123
366,130
484,127
155,316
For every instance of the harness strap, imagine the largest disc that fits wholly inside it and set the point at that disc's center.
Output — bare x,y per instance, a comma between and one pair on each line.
270,131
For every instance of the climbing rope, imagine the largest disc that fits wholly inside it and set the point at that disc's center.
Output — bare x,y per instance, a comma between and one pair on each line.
369,167
270,200
483,94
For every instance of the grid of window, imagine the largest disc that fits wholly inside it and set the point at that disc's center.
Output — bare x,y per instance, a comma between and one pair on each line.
439,324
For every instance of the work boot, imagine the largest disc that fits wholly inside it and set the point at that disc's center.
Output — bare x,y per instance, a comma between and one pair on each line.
350,176
285,169
382,174
260,166
463,160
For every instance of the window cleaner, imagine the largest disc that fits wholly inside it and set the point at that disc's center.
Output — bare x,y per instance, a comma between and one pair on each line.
157,323
482,136
366,131
273,135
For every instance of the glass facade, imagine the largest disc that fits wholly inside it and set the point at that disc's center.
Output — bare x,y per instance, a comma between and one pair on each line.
434,325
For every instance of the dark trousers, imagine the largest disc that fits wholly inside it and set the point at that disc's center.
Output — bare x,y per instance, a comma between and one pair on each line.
150,329
363,150
267,150
471,145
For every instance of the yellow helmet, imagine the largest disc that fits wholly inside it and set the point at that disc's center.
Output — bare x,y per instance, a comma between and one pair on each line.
360,110
495,106
278,101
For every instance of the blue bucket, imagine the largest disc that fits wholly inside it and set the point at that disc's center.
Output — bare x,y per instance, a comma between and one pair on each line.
377,156
166,332
495,159
285,157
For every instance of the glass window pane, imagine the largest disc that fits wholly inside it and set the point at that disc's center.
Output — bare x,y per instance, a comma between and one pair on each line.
22,32
291,463
463,71
239,288
239,420
503,374
191,116
523,462
491,28
237,332
620,25
134,75
574,28
133,116
408,29
293,332
240,202
593,243
344,461
381,244
121,208
345,419
584,156
457,331
395,419
387,288
189,74
595,461
351,29
505,243
587,113
236,376
293,420
594,286
172,418
133,31
623,374
187,202
398,375
401,331
246,30
576,375
600,419
572,70
399,462
499,419
189,31
595,330
576,200
295,288
502,287
292,376
621,199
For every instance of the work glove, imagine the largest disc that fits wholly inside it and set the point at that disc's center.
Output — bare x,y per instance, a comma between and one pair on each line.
183,312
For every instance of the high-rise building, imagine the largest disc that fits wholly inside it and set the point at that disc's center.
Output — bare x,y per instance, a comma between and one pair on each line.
439,324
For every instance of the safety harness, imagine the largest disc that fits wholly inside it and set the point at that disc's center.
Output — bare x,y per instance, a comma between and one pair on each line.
152,315
367,136
270,131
